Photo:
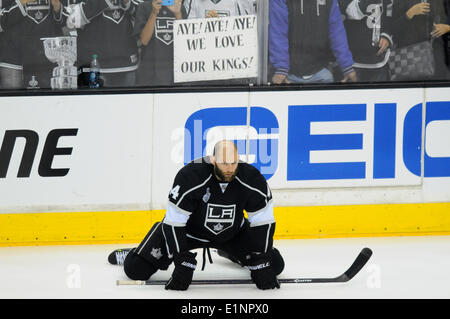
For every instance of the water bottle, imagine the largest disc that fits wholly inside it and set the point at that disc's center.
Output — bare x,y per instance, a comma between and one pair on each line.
94,73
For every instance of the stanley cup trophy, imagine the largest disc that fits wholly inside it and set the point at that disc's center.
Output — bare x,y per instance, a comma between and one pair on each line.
62,50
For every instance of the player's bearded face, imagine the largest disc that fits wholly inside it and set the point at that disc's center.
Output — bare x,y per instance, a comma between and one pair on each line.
226,172
226,164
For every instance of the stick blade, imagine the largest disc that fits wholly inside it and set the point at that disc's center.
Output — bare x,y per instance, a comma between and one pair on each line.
358,264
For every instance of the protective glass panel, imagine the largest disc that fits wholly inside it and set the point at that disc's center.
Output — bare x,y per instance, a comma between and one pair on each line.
70,44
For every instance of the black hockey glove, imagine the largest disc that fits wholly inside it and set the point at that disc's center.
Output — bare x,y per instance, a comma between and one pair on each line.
185,264
261,272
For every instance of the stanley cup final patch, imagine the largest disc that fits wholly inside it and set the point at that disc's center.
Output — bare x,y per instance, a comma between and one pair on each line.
219,217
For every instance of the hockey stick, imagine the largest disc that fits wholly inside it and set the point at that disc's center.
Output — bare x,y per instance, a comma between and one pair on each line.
357,265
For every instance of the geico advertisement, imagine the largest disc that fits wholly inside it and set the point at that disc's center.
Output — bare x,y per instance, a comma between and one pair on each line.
316,139
75,150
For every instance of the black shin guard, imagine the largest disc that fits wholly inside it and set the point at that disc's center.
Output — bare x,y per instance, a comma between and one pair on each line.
138,268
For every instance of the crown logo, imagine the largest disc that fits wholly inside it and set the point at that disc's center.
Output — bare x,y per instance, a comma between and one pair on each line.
218,227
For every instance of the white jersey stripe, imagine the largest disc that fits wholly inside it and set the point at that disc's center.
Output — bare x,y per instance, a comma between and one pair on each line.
261,210
196,238
179,210
175,216
267,238
175,238
169,255
252,188
262,217
145,243
11,66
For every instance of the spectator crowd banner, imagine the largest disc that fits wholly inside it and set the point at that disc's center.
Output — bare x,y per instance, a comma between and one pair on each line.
215,49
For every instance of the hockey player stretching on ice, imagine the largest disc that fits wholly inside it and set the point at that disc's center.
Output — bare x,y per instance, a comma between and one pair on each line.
205,210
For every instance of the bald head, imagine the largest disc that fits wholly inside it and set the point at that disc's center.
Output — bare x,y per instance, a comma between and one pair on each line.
225,151
225,160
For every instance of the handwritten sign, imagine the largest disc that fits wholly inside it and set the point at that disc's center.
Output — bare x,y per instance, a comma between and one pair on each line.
215,49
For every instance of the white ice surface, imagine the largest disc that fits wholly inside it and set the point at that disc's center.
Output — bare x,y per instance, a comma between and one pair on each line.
401,267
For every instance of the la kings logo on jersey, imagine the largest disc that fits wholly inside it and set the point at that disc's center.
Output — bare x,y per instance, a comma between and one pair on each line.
164,29
114,12
38,10
219,217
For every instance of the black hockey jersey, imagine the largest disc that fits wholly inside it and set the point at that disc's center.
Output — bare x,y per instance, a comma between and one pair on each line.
21,45
366,22
106,30
210,210
156,60
10,14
